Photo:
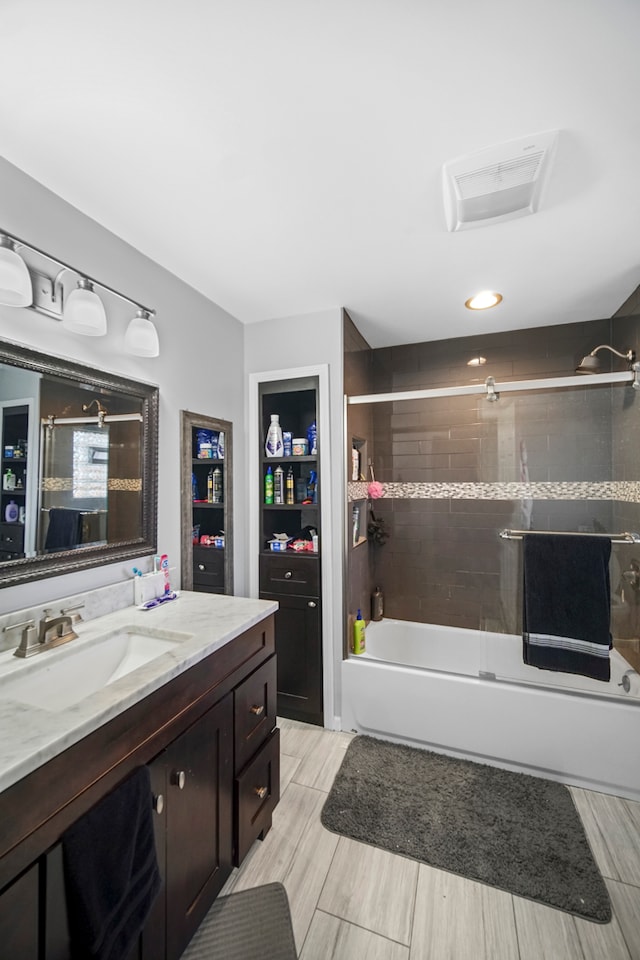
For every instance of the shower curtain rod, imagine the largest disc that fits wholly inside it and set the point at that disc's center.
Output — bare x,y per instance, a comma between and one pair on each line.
492,389
614,537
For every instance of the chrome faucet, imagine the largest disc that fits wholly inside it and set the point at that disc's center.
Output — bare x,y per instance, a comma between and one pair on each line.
51,633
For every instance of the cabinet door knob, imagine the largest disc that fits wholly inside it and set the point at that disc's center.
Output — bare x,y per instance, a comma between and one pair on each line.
312,603
256,709
201,566
178,779
288,575
158,803
260,792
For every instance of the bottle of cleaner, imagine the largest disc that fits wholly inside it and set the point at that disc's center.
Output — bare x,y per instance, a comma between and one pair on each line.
377,604
358,634
289,487
210,486
278,485
268,486
217,485
274,447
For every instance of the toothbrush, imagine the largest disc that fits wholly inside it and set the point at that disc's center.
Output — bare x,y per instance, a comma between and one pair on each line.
150,604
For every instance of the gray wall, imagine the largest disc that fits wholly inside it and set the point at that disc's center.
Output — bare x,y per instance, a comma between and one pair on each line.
200,365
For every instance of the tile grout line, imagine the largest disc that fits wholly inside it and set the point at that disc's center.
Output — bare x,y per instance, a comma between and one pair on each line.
316,909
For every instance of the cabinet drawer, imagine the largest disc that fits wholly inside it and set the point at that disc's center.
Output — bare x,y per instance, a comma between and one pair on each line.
208,567
291,574
255,711
12,536
257,791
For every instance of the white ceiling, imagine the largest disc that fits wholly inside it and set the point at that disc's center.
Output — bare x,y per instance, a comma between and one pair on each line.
285,156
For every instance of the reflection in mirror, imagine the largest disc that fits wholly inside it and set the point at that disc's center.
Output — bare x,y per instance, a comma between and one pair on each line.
79,466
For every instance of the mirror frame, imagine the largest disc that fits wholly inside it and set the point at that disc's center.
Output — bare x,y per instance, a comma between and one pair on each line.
189,421
14,572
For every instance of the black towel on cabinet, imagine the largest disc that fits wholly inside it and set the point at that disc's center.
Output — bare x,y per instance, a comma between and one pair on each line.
111,871
567,604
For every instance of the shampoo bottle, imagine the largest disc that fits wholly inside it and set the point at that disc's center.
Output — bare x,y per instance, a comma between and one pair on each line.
11,512
358,634
274,446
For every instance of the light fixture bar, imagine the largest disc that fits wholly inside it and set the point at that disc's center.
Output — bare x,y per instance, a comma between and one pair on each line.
52,421
79,273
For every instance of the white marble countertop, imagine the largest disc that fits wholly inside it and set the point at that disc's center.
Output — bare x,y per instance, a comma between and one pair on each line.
198,623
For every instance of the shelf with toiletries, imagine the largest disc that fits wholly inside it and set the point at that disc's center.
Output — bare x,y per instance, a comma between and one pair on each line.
208,514
290,539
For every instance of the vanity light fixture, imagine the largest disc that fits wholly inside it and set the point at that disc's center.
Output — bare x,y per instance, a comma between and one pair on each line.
15,281
81,309
484,300
141,338
84,311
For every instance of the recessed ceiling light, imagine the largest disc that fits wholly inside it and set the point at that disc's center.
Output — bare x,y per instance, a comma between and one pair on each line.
476,361
484,300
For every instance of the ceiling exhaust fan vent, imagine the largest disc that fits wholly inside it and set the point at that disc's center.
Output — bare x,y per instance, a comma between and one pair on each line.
498,183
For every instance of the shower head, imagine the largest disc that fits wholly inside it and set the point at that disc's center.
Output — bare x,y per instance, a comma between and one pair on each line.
591,363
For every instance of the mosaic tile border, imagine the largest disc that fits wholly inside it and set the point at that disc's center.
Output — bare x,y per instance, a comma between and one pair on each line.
622,490
61,484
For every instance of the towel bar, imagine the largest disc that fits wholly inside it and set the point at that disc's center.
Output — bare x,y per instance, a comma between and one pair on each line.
625,537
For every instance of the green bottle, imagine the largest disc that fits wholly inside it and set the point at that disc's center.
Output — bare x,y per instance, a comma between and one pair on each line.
268,486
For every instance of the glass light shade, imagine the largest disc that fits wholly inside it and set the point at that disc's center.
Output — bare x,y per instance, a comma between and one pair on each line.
15,281
84,311
141,338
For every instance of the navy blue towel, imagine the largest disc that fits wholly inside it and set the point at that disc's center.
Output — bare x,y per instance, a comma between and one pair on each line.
111,871
567,604
63,530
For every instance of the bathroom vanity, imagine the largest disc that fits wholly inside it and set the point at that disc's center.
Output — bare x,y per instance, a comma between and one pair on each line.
200,714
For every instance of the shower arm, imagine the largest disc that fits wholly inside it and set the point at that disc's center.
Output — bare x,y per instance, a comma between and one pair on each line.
629,356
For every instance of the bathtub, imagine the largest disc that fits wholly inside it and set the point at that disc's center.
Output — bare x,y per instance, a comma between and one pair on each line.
467,693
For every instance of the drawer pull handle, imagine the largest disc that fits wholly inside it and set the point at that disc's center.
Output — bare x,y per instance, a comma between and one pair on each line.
256,709
201,566
178,779
288,575
260,792
158,803
312,603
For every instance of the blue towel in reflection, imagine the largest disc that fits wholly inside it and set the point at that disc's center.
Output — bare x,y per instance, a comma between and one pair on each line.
111,871
567,604
63,530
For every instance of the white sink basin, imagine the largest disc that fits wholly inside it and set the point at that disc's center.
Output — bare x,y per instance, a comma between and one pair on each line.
57,679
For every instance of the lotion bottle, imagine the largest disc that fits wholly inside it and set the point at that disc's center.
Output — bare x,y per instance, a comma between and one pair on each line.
274,446
358,634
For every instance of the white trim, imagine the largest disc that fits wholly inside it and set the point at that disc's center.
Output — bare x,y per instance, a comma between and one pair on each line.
548,383
321,371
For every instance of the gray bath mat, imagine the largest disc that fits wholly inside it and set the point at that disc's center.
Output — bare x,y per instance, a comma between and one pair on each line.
254,924
513,831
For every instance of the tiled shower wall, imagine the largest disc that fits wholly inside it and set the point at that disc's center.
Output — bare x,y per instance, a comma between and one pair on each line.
450,465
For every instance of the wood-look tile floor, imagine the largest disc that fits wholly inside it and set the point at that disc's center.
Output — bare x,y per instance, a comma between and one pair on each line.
351,901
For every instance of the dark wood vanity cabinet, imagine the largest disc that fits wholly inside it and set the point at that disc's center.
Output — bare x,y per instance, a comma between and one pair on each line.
192,785
19,917
210,742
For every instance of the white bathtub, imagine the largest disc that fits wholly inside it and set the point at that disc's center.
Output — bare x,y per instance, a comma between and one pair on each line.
468,694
